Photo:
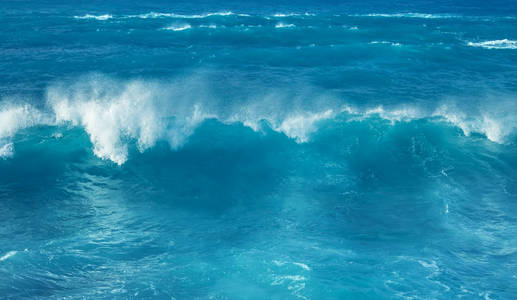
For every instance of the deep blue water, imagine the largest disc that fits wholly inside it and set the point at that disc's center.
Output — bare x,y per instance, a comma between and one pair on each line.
258,150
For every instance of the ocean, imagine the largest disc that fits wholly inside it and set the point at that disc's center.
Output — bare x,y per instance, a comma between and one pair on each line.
258,150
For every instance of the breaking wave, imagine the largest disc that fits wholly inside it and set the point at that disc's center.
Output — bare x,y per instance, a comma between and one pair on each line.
117,114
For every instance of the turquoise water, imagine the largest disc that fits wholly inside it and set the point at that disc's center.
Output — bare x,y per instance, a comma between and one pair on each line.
272,150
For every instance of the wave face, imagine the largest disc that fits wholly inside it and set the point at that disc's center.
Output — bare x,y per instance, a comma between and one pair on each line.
231,150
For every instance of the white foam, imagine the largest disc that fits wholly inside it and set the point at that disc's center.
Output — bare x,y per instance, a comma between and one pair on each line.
278,280
211,26
496,44
119,114
7,255
284,25
301,265
403,113
15,117
285,15
110,118
7,150
409,15
279,15
95,17
154,15
300,126
496,126
116,113
386,42
178,27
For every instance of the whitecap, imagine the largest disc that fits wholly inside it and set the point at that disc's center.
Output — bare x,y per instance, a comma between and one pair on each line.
284,25
95,17
178,27
409,15
285,15
496,127
386,42
211,26
7,150
114,114
495,44
118,114
300,126
14,117
7,255
154,15
301,265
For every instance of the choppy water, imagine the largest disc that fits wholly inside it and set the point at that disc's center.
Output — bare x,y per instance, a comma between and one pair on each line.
199,150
